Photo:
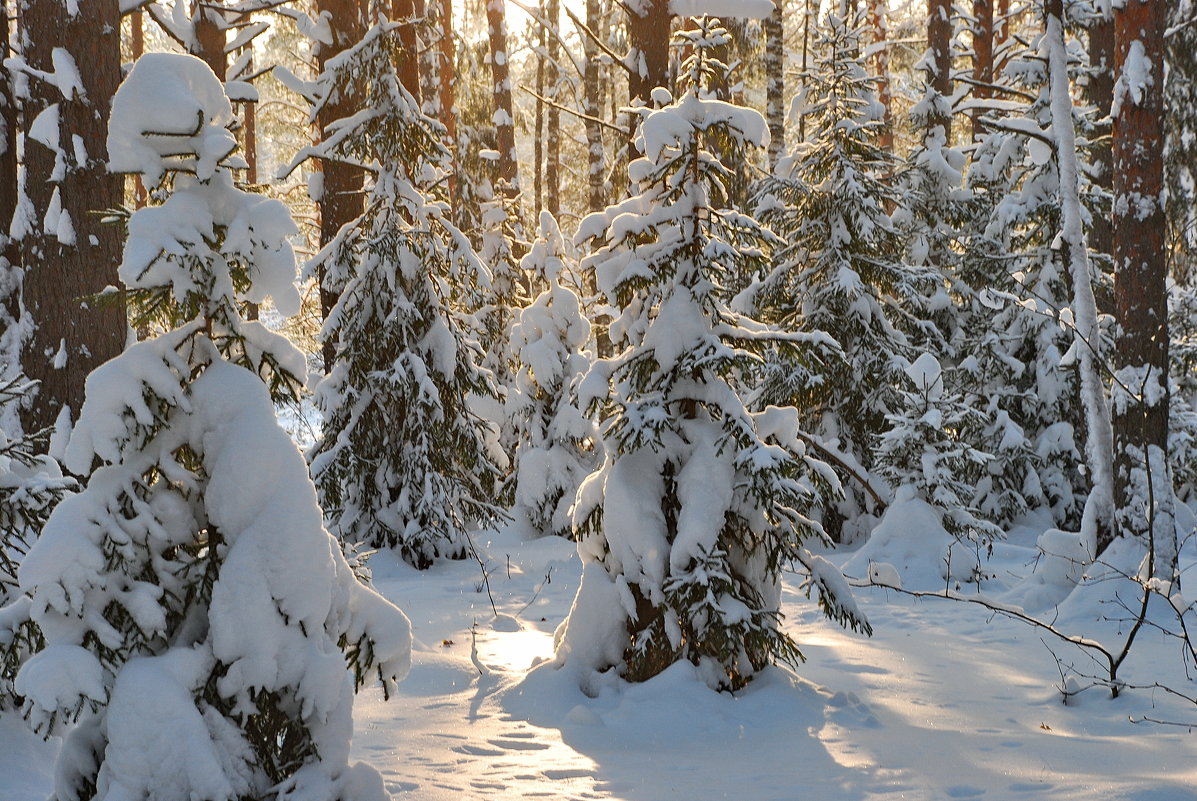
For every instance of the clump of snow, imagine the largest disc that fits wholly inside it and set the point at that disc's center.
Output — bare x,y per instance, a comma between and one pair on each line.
912,541
171,114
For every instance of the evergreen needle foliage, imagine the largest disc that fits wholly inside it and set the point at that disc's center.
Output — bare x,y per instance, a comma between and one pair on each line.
403,460
700,503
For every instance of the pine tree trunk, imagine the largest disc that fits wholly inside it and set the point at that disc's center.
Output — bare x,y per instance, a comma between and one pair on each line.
775,86
552,167
137,45
1141,420
596,154
406,13
509,178
648,57
982,58
210,38
939,42
79,256
341,199
648,31
1001,35
9,123
880,28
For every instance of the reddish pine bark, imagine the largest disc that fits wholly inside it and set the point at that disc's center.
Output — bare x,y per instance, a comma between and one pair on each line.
939,42
879,27
982,57
210,37
648,30
406,13
341,200
508,172
1139,250
60,275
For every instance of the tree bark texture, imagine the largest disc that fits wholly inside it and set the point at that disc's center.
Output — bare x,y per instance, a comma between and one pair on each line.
447,110
939,42
1100,92
982,58
210,33
592,98
880,29
552,167
74,256
775,82
341,200
648,32
1141,409
405,12
504,116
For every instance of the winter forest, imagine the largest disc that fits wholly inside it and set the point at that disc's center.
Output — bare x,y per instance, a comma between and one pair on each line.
598,399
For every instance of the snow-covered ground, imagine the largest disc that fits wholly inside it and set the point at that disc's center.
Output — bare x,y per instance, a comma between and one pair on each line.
943,702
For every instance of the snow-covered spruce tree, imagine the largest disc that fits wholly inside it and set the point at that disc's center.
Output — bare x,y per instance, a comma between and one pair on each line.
491,308
1018,352
549,344
199,621
402,461
699,503
923,450
841,271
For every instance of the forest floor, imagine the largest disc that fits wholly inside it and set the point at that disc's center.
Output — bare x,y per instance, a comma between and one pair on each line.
944,701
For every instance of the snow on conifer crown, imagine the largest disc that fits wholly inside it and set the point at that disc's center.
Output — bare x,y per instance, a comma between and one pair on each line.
198,622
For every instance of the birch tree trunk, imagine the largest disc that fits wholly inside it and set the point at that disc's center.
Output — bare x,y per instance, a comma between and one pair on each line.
775,87
596,154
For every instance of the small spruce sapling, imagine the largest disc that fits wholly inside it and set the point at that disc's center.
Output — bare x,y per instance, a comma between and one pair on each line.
922,450
699,502
549,343
841,270
199,622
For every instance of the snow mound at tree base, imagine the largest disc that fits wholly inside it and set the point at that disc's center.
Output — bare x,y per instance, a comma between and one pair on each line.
912,539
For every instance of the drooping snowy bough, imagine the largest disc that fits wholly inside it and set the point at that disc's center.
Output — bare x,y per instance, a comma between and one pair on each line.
199,621
699,502
31,485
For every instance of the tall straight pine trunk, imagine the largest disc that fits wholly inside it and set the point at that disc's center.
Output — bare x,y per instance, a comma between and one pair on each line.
341,199
1142,485
67,253
504,118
